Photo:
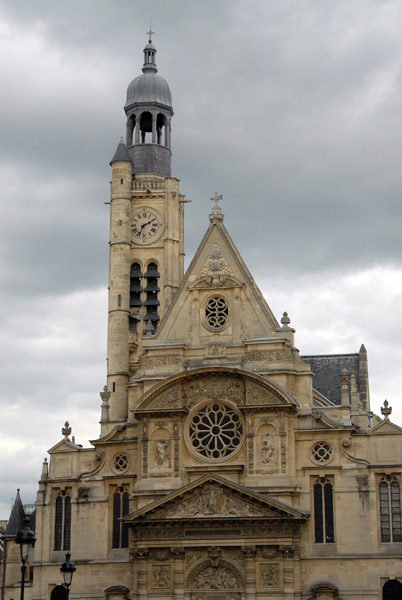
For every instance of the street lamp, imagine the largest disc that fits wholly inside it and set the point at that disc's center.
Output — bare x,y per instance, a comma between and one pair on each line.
25,538
67,569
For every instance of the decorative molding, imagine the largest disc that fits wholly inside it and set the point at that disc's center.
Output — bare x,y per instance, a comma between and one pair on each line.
269,356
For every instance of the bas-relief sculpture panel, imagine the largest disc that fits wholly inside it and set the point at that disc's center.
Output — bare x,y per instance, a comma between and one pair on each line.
187,392
211,500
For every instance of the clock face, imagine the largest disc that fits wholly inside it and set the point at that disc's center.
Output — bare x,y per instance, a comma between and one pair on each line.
146,225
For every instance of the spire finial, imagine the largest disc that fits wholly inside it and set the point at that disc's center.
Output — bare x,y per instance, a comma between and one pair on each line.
216,213
150,33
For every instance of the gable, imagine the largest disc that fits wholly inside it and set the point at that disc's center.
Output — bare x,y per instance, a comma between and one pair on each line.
213,497
385,427
217,273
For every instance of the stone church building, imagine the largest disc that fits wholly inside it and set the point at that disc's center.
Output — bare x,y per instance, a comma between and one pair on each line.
228,466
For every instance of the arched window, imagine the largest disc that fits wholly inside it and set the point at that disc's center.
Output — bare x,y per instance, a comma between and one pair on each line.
130,130
135,285
160,123
120,509
152,289
62,522
392,590
390,510
146,128
323,512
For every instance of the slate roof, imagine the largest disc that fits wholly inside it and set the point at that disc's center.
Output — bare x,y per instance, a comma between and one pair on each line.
121,153
327,370
16,520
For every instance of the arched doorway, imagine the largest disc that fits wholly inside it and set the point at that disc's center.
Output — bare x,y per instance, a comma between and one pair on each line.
392,590
59,593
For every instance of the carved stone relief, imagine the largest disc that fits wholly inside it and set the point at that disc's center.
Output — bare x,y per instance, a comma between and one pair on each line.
267,449
212,387
160,451
161,577
211,500
215,578
169,398
215,350
270,575
161,554
257,394
151,362
236,388
269,356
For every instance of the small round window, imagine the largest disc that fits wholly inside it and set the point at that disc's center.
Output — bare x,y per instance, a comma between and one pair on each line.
216,312
322,452
120,463
216,431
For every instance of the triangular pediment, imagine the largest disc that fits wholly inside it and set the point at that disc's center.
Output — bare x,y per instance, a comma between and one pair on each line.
217,271
212,497
386,427
64,445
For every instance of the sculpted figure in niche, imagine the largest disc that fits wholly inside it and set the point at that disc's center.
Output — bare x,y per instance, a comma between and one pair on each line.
267,451
162,458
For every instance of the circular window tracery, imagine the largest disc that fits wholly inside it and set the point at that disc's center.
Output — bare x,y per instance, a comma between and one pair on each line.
217,312
322,452
120,462
216,431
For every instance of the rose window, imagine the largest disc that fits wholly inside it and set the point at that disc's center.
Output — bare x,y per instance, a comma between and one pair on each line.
216,431
120,462
217,312
322,452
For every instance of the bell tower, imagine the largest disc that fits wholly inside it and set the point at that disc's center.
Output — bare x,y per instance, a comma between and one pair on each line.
146,261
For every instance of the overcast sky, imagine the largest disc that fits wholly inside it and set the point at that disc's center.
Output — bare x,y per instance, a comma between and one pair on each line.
289,108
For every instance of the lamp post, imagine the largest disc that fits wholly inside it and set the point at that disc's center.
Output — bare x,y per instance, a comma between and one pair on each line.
67,569
25,538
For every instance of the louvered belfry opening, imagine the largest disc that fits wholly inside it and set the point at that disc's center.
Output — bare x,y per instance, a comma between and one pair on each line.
151,303
135,285
151,289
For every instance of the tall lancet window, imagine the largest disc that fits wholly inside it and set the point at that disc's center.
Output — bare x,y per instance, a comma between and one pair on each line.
120,509
323,512
62,522
390,510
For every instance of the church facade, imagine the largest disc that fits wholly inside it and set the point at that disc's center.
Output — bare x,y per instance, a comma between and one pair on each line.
229,466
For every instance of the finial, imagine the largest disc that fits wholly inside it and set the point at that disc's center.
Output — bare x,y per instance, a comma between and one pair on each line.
285,320
216,213
105,395
66,430
386,410
150,32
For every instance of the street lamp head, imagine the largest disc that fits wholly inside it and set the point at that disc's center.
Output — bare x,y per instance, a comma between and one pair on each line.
67,569
25,538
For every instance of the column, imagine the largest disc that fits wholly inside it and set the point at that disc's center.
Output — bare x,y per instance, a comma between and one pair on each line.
137,128
250,584
288,553
178,572
153,128
141,556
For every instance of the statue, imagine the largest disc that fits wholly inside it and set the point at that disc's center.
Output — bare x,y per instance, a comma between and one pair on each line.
162,458
267,451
